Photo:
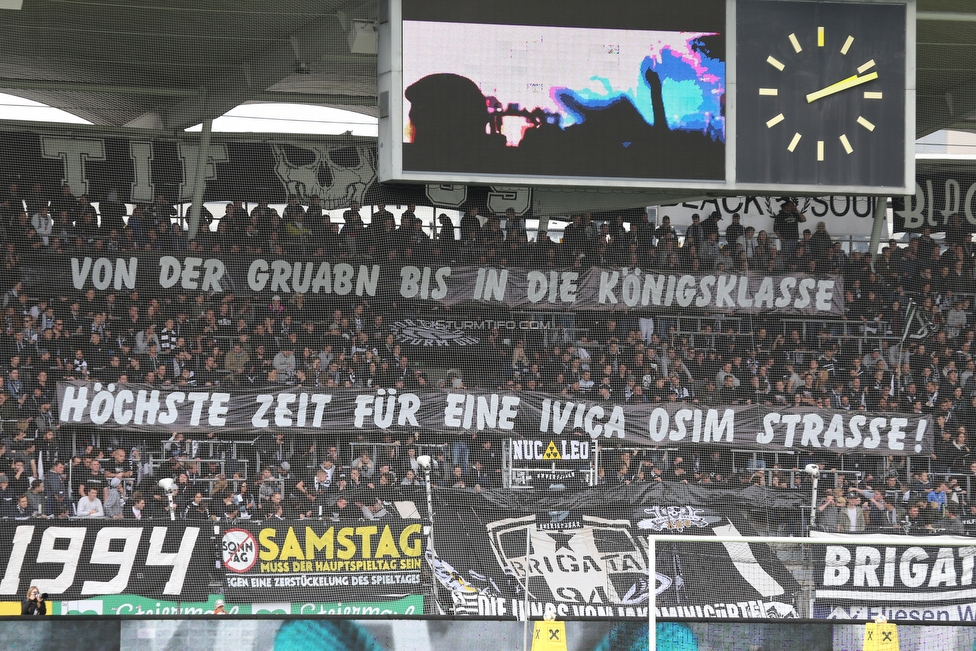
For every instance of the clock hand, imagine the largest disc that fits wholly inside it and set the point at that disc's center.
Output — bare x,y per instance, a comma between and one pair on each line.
842,85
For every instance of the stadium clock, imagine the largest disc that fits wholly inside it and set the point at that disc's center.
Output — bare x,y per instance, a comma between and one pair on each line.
821,93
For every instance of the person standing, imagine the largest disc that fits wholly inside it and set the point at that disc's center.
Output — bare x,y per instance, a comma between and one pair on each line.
43,225
786,225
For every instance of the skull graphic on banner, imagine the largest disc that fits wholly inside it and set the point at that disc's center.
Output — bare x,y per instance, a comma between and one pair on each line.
337,174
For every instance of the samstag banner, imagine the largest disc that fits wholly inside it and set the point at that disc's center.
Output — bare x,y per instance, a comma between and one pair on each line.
595,288
323,561
896,579
75,559
138,408
589,559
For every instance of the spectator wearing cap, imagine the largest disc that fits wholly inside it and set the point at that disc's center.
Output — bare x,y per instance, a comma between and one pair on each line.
276,308
710,225
115,499
58,505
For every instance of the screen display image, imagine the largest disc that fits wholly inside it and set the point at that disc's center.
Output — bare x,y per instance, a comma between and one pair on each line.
378,635
547,100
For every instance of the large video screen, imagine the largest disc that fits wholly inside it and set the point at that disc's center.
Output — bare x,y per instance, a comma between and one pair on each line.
346,634
512,90
749,96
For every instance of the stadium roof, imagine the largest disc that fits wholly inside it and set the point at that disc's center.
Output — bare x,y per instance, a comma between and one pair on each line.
171,65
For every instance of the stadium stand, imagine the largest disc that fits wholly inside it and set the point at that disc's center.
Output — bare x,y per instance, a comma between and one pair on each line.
181,340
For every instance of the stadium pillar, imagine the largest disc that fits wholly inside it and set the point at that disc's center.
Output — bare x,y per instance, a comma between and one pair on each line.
880,219
200,181
651,593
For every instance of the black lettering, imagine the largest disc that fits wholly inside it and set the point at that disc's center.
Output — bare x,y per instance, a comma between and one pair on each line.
752,201
870,207
823,208
725,206
847,206
713,203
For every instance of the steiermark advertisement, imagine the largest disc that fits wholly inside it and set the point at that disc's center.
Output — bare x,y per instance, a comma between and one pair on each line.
133,605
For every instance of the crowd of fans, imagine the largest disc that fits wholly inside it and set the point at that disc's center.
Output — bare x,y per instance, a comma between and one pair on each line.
179,339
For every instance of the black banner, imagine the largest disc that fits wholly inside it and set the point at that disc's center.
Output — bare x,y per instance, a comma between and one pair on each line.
587,557
337,169
78,559
596,288
136,408
937,198
340,561
896,579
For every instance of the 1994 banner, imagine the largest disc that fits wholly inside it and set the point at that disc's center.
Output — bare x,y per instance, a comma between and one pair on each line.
72,560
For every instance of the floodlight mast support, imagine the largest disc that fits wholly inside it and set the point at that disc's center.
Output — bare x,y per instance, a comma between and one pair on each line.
651,593
200,180
525,618
880,221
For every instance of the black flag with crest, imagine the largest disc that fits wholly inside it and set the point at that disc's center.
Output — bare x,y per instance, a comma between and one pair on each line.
918,327
585,555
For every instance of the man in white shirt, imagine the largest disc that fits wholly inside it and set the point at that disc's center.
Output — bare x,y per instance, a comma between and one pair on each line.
90,506
748,242
43,224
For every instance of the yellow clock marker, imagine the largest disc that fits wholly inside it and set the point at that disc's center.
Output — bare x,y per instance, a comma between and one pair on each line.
794,142
820,37
847,45
870,94
796,43
866,66
772,122
864,123
776,64
847,143
820,150
769,91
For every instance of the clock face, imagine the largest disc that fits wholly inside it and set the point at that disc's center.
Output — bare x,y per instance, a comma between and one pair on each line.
820,93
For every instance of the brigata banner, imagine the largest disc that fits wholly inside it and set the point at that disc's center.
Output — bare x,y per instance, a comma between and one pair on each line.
586,556
77,560
323,561
595,288
895,579
139,408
